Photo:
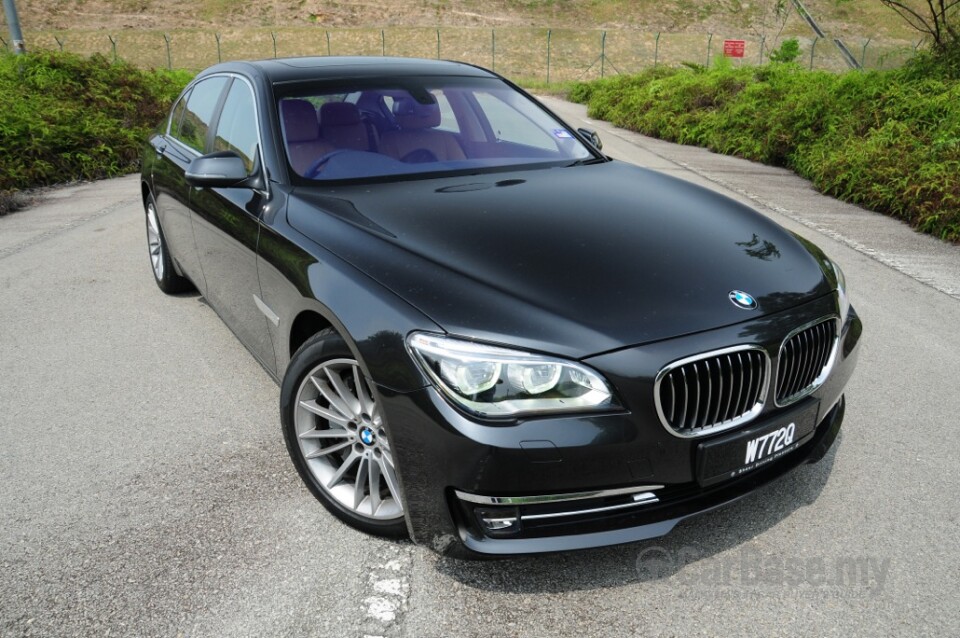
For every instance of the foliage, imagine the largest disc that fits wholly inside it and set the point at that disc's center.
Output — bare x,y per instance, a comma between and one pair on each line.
943,63
789,51
937,19
889,141
64,117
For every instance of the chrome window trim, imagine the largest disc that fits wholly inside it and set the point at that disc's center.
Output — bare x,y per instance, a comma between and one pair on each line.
827,369
551,498
725,425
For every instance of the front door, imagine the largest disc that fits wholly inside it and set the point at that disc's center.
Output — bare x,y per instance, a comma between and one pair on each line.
226,223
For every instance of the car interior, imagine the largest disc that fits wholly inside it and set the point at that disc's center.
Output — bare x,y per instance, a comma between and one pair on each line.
386,131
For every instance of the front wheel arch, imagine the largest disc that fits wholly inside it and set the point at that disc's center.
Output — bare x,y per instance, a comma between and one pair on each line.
337,437
305,325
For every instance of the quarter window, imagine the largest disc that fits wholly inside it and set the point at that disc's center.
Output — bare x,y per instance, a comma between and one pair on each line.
200,107
237,128
448,120
177,115
510,125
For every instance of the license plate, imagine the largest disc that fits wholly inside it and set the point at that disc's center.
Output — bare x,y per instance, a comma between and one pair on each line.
736,454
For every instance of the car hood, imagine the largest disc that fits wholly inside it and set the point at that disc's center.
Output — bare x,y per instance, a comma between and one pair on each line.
572,260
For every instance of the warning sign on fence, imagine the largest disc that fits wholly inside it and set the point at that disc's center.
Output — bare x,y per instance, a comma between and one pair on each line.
733,48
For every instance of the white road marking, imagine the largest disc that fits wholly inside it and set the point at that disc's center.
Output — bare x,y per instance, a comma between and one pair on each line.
381,609
384,600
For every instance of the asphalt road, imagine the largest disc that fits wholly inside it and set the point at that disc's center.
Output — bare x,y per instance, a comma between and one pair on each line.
145,489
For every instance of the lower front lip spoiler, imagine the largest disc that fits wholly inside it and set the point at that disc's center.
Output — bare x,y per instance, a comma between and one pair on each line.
505,516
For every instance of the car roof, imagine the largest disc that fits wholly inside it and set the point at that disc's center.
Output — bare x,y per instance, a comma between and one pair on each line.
281,70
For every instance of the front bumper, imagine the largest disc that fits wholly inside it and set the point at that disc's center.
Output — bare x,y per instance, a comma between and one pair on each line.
457,472
600,522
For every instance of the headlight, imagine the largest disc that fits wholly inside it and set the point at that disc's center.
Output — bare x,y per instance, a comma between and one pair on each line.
841,293
500,383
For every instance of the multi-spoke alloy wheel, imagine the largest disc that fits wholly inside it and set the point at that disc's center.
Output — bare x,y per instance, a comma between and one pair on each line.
337,436
154,241
160,261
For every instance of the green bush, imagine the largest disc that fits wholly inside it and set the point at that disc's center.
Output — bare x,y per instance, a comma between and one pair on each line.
889,141
64,117
788,51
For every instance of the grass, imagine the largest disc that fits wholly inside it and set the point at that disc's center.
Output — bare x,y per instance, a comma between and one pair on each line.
66,118
887,140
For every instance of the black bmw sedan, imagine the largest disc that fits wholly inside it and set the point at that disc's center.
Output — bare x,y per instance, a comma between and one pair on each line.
489,336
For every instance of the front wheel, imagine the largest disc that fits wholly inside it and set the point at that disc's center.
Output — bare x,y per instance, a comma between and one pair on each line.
337,437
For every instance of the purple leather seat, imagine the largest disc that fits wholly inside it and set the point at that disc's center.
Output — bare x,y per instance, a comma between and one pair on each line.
342,126
301,132
418,124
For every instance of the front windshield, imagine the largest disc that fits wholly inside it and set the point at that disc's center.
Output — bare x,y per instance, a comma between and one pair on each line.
406,126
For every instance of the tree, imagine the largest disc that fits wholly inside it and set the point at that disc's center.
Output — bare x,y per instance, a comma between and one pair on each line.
772,18
938,19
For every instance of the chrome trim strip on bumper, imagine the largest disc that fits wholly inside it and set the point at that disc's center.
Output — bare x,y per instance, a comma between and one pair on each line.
551,498
644,498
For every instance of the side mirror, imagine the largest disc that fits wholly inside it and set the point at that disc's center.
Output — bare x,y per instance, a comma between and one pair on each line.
218,170
592,136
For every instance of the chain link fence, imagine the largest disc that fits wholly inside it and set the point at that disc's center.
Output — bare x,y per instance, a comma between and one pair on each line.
524,54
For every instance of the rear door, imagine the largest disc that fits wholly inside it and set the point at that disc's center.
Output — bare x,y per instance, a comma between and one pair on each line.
226,224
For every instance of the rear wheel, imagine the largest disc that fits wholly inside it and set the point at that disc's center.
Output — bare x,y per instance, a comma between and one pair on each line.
337,437
160,261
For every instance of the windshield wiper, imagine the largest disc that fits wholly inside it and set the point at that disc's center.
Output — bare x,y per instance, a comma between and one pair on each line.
587,161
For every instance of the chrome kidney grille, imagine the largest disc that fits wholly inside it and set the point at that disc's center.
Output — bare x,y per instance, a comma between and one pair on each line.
806,357
713,391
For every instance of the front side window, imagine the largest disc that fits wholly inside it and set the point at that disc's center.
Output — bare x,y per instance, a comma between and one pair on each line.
201,104
417,126
237,128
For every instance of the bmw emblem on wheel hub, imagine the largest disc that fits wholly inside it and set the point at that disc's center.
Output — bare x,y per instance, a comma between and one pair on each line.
367,436
743,300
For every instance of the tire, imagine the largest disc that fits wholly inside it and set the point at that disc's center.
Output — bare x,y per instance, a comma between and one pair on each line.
161,263
337,439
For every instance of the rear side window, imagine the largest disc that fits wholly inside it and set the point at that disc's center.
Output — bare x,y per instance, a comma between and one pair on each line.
237,128
201,104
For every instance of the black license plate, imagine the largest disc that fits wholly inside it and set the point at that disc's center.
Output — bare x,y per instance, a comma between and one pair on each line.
734,455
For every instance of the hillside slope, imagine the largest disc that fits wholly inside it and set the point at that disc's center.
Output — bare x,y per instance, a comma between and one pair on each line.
854,18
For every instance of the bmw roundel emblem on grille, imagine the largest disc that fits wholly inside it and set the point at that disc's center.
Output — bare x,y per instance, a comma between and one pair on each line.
743,300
